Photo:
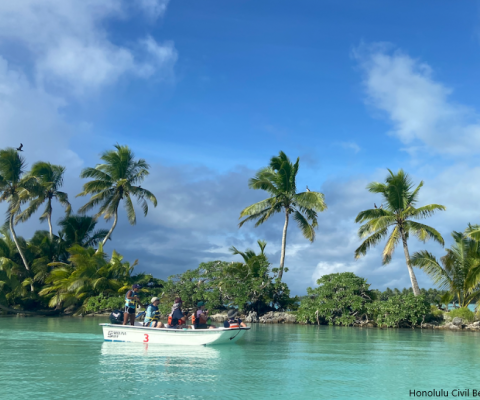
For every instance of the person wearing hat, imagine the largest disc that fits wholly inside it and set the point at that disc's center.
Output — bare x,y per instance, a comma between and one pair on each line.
152,315
201,317
131,300
176,319
232,321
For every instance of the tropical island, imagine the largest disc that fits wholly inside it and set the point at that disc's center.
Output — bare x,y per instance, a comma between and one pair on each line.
70,272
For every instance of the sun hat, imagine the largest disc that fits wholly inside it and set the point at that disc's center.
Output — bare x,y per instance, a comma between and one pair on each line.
154,299
232,313
200,303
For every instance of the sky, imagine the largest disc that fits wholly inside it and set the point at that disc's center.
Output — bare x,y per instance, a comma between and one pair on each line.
208,91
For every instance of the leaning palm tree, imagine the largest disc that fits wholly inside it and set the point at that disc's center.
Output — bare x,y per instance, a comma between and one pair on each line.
12,185
49,179
279,180
397,211
114,181
458,271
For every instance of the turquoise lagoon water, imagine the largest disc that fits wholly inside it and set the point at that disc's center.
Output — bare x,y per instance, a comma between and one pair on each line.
66,358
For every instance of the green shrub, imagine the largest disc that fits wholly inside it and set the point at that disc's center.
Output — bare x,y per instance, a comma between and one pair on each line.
435,315
101,303
436,312
464,313
340,299
400,310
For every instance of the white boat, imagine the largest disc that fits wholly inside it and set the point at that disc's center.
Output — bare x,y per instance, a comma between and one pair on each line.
169,336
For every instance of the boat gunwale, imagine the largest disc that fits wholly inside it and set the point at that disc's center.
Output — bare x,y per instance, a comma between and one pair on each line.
177,330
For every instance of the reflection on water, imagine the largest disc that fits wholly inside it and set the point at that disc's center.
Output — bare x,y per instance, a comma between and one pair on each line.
161,364
67,358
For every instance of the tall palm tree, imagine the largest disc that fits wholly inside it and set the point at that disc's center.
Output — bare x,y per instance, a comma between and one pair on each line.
279,180
80,229
114,181
397,211
12,184
49,179
458,271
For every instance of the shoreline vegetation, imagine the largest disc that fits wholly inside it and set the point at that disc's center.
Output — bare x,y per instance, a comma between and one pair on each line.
70,273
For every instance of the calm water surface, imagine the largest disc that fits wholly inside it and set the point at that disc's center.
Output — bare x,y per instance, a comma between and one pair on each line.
65,358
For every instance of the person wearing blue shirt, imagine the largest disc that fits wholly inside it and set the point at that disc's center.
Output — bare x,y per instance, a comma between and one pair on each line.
152,315
131,301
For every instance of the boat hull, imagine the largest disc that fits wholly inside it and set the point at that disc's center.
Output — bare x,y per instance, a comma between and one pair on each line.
167,336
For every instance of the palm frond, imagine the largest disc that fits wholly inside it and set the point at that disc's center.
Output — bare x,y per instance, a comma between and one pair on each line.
391,245
424,232
370,241
311,200
427,262
372,213
307,229
424,212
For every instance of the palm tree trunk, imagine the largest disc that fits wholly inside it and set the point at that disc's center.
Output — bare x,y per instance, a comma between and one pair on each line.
14,235
413,278
49,219
284,244
112,228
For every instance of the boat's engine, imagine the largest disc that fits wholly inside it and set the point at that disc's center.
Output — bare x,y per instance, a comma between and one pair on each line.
116,317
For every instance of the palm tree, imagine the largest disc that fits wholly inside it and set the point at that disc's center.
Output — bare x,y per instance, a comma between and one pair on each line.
114,181
12,184
397,212
458,271
80,229
279,180
49,179
250,254
87,274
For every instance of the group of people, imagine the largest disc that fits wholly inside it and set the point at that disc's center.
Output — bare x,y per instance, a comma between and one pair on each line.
177,319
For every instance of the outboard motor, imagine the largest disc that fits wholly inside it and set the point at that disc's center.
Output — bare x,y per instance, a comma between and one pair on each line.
116,317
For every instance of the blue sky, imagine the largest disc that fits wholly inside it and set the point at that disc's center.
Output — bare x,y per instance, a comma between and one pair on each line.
207,91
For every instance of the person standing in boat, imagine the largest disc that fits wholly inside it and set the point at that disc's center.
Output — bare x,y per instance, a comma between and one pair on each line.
176,318
131,300
232,321
152,315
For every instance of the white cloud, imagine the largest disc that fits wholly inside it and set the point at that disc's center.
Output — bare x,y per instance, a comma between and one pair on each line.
153,8
70,48
326,268
420,107
350,146
32,117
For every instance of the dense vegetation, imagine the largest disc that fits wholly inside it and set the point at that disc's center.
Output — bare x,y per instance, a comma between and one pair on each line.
69,270
345,299
64,270
250,285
